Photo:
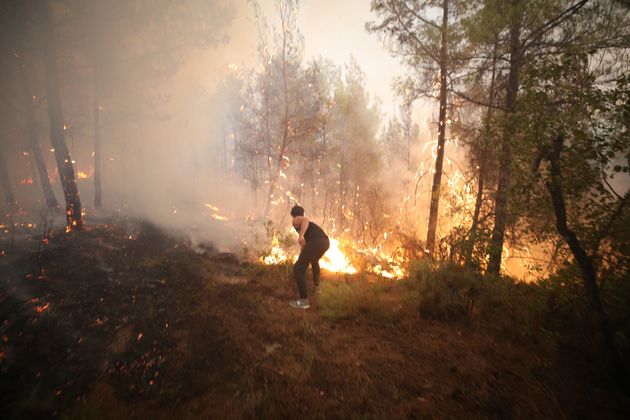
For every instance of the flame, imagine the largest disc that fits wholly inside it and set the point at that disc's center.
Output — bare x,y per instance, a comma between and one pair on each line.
395,271
41,308
216,215
277,255
335,260
211,207
82,175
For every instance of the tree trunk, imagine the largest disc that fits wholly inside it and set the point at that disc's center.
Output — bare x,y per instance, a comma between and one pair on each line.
505,157
341,223
478,201
406,117
225,164
483,158
33,141
74,219
437,177
589,274
273,181
9,198
98,159
7,187
267,135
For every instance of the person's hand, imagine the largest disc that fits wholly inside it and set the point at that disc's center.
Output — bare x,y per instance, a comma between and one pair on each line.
302,242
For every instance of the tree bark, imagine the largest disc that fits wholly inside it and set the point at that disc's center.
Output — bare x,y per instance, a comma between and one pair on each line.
7,187
483,158
478,203
33,141
505,156
98,158
74,219
9,198
341,218
585,262
437,177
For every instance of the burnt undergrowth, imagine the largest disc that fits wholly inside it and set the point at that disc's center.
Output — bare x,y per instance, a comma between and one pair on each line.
123,320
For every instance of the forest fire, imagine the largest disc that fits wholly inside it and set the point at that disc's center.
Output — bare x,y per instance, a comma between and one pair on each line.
459,170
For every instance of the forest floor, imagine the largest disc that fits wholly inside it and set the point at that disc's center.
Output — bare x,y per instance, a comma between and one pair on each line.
123,321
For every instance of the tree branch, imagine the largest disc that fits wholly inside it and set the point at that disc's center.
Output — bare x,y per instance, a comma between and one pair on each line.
475,101
550,24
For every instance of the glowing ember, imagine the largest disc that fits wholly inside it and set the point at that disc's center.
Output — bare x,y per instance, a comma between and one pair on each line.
211,207
41,308
219,217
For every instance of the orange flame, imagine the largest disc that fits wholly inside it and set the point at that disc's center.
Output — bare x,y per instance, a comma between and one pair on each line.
41,308
277,255
335,260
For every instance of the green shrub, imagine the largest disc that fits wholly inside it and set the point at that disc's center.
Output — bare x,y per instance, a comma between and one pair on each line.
496,304
362,295
569,311
444,293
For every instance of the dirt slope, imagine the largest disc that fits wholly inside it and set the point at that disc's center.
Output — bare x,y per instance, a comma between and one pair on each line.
124,321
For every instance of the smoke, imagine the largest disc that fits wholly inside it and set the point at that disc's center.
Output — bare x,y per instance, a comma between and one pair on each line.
167,159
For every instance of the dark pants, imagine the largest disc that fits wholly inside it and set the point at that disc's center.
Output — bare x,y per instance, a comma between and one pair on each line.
311,253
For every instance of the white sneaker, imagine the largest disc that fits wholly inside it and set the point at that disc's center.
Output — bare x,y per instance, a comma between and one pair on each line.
299,304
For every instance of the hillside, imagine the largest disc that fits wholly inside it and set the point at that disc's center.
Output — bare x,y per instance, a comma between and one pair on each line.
126,322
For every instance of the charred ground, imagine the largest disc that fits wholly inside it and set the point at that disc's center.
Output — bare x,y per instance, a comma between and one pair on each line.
123,320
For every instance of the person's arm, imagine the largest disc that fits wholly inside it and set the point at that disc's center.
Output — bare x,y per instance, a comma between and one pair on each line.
303,227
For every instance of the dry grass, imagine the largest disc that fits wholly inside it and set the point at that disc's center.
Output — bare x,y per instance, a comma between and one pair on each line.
234,348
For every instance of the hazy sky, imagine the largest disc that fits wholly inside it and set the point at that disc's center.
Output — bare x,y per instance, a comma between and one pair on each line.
333,29
336,30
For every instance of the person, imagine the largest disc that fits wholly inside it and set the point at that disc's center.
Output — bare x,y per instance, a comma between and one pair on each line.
314,243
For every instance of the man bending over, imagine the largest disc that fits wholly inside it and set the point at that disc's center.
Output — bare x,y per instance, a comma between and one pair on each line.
314,243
